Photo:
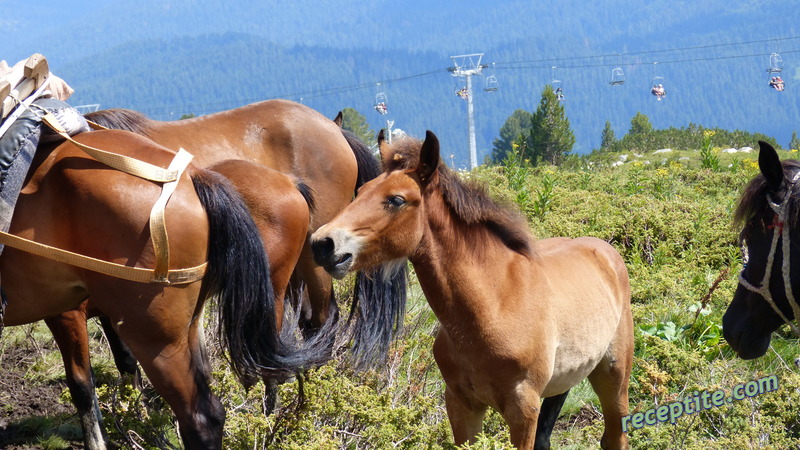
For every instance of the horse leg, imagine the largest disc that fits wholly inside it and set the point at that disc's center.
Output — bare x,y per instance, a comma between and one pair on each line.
466,417
177,365
521,412
72,338
551,408
318,288
610,382
123,358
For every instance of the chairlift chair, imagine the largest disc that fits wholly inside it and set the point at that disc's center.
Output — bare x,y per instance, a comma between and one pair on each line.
775,63
380,103
491,84
617,77
555,83
657,88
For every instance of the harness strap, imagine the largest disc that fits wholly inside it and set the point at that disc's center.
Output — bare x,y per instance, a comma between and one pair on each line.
158,228
158,231
137,274
122,163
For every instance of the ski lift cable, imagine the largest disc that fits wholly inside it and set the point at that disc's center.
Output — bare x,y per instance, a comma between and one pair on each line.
634,63
647,52
512,65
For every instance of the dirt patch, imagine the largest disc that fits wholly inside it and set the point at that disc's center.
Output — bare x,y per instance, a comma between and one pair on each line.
30,410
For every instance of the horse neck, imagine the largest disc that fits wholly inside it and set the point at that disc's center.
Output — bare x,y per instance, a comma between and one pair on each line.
456,274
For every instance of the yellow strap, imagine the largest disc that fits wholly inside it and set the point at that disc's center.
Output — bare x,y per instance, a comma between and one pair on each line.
94,125
158,226
137,274
158,230
123,163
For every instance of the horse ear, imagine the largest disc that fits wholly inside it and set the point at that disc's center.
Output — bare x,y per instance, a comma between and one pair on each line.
382,146
428,157
381,137
770,165
338,119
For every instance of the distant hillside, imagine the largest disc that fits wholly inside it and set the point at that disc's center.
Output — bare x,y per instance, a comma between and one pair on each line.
168,58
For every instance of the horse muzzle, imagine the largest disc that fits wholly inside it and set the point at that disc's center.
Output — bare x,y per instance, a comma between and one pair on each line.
336,258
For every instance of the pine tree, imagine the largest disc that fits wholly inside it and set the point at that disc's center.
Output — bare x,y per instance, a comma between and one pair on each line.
640,124
354,121
794,144
607,139
518,123
551,135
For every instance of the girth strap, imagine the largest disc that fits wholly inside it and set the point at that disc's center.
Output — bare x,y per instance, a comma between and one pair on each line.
137,274
158,231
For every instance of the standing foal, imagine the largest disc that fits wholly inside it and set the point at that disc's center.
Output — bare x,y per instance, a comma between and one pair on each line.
522,322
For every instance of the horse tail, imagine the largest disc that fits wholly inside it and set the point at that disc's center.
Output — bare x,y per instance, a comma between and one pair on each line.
379,296
238,275
307,193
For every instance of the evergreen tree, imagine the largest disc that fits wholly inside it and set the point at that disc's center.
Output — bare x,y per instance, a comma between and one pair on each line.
354,121
551,135
794,144
519,123
640,124
607,139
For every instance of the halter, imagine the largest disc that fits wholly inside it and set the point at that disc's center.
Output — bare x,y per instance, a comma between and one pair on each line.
781,231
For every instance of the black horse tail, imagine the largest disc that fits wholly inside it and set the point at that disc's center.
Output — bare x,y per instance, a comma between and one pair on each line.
379,296
238,276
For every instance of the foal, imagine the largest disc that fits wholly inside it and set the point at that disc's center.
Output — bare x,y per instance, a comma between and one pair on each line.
521,321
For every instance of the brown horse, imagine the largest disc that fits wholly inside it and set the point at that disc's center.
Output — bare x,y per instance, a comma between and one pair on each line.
280,208
299,141
521,321
765,299
242,144
76,203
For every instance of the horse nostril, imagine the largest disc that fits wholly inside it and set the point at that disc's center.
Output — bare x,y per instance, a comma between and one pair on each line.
322,249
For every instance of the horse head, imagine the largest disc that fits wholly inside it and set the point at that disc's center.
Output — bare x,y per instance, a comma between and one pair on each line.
765,298
385,222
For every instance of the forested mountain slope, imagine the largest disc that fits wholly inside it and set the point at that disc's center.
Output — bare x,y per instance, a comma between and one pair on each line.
168,58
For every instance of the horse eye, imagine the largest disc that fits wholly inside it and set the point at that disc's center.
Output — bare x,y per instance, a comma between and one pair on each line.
395,201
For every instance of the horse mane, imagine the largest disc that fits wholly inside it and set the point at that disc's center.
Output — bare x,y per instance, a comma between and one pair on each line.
754,200
467,200
120,119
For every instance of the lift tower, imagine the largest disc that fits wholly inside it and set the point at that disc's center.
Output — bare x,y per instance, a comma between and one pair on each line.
465,66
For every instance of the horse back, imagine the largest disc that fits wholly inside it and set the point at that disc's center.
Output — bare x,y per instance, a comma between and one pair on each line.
75,203
593,261
283,135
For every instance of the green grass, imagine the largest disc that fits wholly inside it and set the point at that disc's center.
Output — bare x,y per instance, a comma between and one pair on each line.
671,221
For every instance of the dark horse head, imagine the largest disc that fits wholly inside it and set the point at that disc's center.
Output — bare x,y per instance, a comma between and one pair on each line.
768,214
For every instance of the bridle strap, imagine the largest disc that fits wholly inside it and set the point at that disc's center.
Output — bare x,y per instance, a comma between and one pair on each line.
780,232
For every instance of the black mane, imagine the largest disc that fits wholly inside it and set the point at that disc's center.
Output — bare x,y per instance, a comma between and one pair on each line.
754,201
120,119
